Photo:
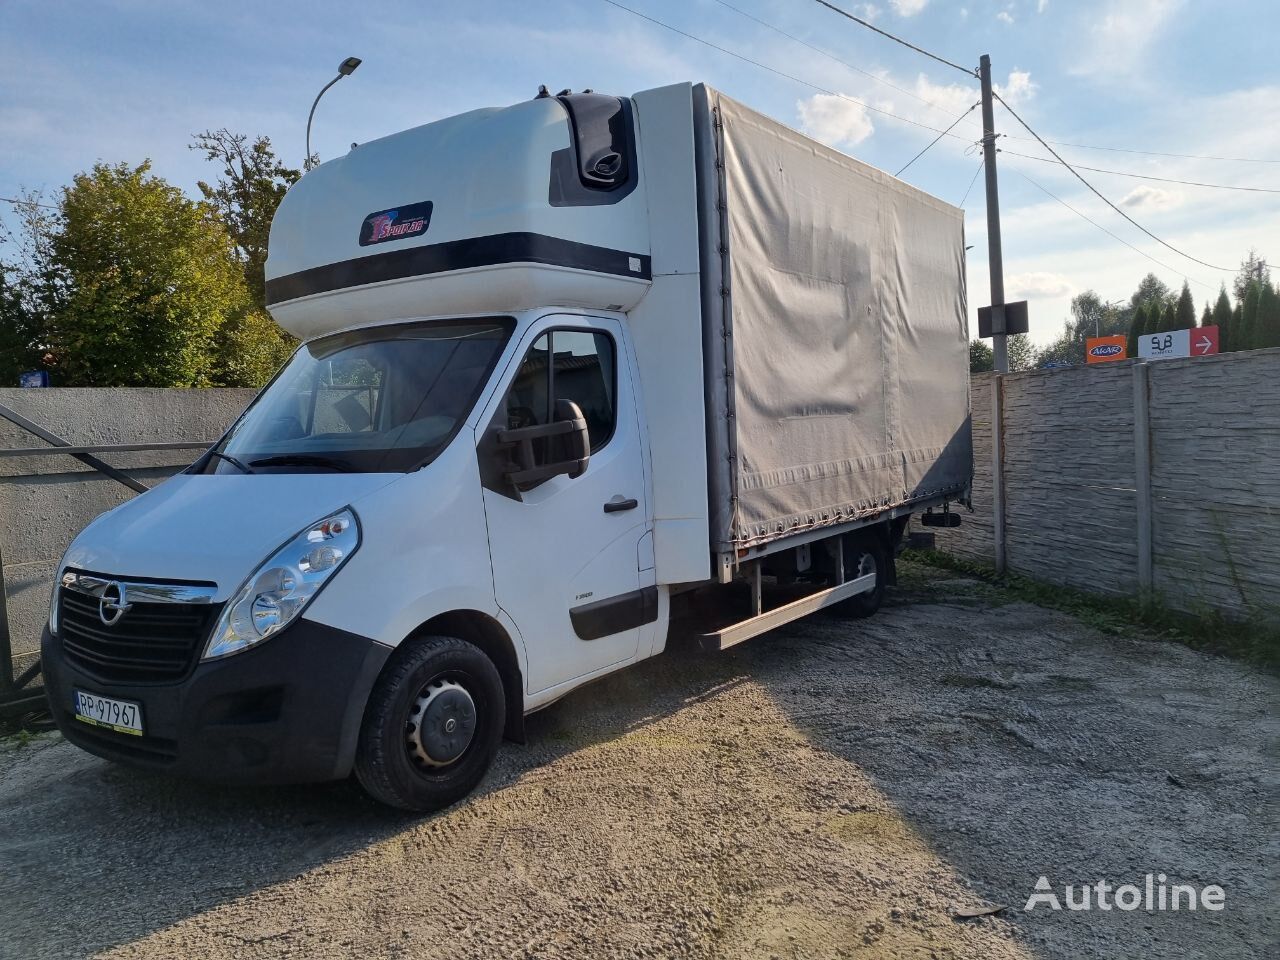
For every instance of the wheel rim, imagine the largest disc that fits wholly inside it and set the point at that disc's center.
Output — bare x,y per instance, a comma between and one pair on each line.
441,724
866,564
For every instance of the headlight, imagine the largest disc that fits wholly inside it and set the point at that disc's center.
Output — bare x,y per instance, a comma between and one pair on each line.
284,584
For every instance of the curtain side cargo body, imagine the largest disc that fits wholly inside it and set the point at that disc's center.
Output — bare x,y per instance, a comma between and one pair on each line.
835,334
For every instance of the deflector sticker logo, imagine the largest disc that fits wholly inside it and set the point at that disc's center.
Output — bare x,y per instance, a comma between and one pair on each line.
397,223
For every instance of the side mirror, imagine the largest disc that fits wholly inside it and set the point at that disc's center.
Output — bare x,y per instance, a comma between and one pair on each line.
565,447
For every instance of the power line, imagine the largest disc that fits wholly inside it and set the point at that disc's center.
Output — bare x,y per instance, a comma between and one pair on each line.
884,33
1099,195
981,161
777,72
833,58
936,139
1156,153
28,203
1144,176
1113,236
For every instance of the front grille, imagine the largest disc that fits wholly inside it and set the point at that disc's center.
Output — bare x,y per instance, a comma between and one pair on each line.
150,643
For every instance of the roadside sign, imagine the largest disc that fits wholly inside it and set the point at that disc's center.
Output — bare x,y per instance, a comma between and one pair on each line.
1105,349
1204,341
1199,342
34,378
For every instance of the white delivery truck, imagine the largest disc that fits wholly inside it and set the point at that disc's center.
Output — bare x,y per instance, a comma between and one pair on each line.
571,370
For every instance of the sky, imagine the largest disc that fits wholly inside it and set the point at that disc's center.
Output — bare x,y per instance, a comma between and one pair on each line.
126,80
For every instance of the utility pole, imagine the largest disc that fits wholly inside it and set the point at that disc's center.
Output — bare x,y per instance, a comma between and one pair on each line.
995,257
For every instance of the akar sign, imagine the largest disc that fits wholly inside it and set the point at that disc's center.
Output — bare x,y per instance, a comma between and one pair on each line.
1199,342
1105,349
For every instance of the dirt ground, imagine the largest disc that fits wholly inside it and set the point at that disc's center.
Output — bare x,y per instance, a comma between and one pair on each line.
829,790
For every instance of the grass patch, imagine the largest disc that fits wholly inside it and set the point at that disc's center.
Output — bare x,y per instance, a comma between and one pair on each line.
1253,640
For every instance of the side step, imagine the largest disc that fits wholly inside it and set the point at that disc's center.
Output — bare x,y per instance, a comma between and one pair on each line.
735,633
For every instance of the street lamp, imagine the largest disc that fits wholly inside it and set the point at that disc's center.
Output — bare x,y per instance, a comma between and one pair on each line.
345,69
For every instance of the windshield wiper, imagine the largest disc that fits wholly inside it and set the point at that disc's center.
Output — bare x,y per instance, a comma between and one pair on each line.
303,460
231,460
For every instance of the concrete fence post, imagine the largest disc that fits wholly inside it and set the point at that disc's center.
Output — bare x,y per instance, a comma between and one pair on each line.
1142,476
997,471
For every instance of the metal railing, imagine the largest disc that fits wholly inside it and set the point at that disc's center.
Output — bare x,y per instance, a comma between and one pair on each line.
18,693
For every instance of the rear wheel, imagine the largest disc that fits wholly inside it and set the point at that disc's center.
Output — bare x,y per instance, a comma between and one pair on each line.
863,556
432,725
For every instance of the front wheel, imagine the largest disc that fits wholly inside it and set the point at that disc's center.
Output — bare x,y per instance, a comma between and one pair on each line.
432,725
863,555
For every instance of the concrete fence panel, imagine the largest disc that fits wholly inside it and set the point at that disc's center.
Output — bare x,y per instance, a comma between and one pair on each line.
1074,441
45,501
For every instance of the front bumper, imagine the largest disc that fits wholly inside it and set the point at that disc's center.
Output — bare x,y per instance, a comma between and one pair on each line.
286,711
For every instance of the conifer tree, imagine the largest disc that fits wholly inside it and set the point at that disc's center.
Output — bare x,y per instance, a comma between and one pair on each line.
1222,317
1169,320
1184,310
1136,326
1245,335
1266,330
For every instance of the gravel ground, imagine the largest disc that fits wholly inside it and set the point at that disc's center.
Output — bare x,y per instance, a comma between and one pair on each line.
829,790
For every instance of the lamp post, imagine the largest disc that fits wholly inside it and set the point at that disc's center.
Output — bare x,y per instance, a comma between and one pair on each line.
345,69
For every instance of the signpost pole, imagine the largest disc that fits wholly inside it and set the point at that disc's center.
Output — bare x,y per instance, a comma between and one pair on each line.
995,256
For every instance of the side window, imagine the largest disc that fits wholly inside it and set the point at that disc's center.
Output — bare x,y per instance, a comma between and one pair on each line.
583,371
577,365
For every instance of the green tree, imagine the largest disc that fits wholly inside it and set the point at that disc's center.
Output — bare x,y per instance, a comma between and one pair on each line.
27,286
1169,318
1022,353
981,357
1244,334
1222,318
1206,318
250,186
149,278
1184,311
1253,269
1266,332
1150,288
1137,327
19,334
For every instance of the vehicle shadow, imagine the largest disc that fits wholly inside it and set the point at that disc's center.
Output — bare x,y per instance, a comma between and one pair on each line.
95,855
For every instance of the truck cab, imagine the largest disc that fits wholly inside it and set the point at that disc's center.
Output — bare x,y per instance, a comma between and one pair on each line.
484,476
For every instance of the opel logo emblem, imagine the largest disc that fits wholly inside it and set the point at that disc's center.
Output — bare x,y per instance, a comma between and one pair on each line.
112,605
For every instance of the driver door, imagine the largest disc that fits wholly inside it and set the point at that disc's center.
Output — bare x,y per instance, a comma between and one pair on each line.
565,552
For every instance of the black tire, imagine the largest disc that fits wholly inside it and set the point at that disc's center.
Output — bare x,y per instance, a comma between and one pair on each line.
862,555
405,756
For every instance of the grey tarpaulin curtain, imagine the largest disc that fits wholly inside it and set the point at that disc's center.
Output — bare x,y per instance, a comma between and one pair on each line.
836,337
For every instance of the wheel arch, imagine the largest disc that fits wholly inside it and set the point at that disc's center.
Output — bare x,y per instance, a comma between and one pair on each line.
495,642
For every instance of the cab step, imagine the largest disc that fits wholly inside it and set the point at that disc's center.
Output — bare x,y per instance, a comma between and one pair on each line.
735,633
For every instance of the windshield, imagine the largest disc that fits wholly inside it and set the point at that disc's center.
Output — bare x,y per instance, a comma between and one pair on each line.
381,399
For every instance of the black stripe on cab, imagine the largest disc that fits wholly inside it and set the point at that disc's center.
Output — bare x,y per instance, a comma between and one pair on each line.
458,255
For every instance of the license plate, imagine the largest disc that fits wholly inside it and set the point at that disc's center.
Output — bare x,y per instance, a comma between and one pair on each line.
122,716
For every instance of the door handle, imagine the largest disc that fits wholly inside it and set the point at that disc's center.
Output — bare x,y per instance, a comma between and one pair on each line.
617,505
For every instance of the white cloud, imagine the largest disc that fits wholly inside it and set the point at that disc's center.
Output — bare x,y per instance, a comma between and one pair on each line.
834,120
1151,198
1004,17
1042,6
1030,286
1122,35
908,8
1019,88
952,97
869,11
964,13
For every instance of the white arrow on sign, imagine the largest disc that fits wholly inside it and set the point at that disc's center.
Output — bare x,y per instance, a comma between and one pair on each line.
1204,344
